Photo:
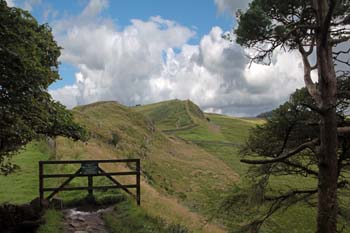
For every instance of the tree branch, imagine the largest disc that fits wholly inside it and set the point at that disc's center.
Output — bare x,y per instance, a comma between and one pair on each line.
313,108
310,85
339,40
285,156
291,194
305,169
343,130
328,19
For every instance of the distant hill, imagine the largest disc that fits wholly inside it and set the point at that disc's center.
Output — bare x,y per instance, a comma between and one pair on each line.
265,114
173,114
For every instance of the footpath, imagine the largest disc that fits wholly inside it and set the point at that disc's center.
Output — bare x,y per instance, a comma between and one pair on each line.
79,221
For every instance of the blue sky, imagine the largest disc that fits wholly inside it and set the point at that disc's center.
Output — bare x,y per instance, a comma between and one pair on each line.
140,52
200,15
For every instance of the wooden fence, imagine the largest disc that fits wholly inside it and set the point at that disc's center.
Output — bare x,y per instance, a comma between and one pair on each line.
89,169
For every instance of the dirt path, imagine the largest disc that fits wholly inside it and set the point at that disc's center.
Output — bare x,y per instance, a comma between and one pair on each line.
85,221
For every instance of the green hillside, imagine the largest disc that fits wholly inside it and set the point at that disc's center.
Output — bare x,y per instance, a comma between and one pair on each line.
186,171
180,179
173,114
222,136
186,120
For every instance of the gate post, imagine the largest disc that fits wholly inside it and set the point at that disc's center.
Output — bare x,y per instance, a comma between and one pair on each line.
41,183
138,188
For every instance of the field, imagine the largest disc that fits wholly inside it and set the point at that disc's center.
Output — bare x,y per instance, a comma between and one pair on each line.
190,164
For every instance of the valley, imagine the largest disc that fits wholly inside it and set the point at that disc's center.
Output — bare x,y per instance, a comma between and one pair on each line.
189,159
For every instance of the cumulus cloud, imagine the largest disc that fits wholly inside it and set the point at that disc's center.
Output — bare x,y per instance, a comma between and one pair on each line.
231,6
151,60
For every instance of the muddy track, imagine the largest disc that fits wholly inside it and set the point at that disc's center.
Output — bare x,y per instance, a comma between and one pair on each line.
85,221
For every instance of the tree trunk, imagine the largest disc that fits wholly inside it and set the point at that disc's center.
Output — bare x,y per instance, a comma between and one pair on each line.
328,175
328,160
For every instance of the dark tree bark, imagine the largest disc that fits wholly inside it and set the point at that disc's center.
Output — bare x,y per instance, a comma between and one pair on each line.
328,161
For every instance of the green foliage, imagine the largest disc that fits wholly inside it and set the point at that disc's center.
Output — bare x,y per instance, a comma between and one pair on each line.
289,125
254,25
264,195
269,24
28,66
268,21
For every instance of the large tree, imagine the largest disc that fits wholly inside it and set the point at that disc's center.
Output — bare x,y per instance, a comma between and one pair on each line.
284,158
310,27
28,65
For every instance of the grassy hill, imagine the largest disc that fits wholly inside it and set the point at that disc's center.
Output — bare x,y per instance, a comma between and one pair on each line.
190,161
222,136
181,180
173,114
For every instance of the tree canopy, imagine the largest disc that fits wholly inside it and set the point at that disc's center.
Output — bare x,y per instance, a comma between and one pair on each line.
317,29
290,24
28,64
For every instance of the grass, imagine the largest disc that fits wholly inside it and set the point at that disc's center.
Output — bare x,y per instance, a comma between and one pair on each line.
172,114
221,137
219,129
296,219
233,129
127,217
22,186
53,222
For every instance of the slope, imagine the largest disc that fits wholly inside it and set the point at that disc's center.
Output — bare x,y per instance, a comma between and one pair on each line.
180,178
197,126
173,114
222,136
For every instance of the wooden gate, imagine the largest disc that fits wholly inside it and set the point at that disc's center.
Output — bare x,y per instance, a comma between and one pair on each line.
89,169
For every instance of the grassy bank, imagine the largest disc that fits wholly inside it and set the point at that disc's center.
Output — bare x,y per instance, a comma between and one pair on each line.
127,217
22,185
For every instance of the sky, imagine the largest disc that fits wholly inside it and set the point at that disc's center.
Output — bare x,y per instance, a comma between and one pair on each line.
141,52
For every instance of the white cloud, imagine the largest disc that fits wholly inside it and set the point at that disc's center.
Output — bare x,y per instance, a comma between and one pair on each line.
231,6
28,4
151,60
25,4
94,8
10,3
